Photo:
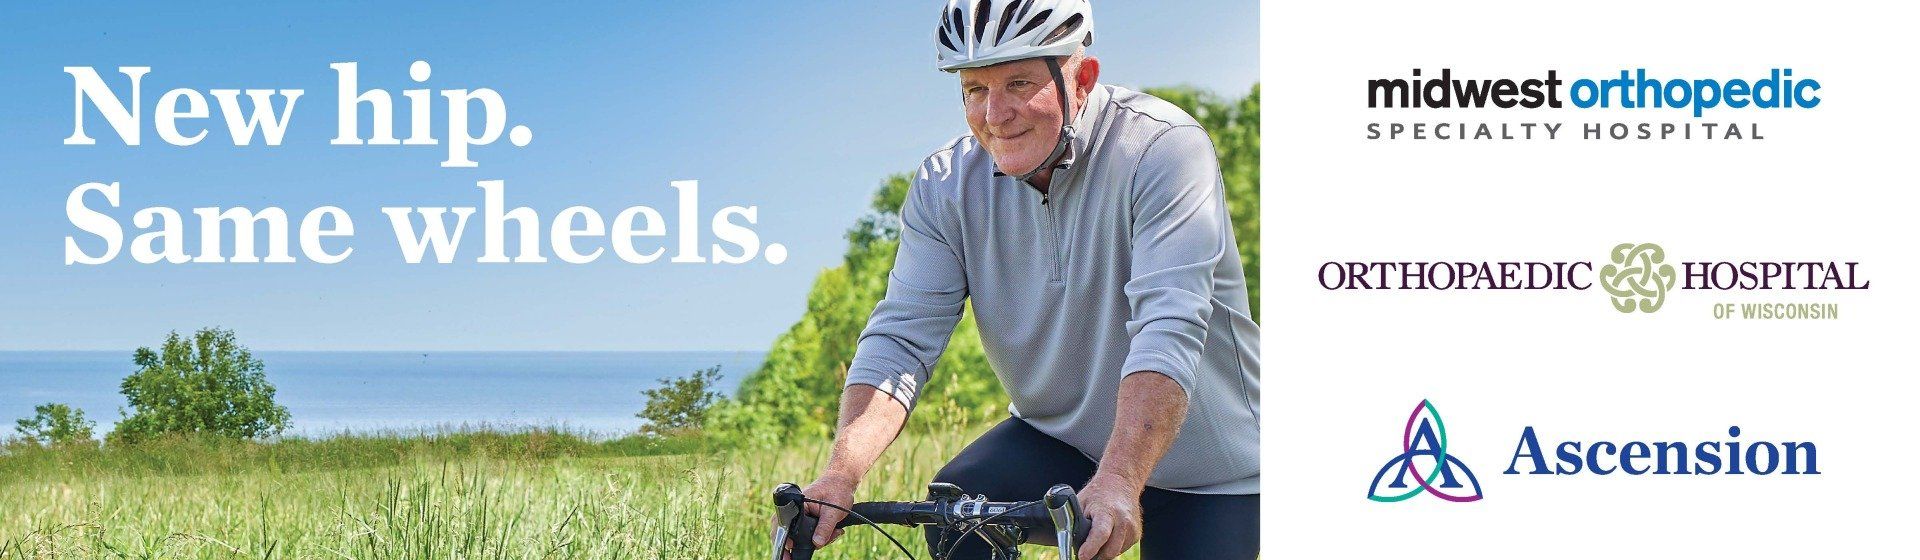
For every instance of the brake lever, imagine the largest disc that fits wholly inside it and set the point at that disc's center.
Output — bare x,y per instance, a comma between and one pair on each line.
789,504
1063,506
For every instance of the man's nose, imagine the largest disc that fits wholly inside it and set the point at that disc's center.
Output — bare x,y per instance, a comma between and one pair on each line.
1001,107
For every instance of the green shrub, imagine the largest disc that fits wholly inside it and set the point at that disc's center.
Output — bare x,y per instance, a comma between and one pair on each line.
54,424
208,384
680,404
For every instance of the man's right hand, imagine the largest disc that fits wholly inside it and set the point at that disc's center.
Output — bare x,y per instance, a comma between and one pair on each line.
832,489
866,427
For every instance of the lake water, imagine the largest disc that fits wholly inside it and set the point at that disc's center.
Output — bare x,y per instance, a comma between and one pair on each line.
330,392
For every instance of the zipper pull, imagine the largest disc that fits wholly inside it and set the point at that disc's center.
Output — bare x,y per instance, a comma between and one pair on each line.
1043,198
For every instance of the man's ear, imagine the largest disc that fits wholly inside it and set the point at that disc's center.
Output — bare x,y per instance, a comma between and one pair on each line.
1087,75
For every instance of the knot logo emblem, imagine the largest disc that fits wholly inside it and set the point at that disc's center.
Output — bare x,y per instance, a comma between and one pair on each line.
1424,437
1639,277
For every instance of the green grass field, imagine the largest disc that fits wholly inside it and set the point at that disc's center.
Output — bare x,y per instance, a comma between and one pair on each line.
538,495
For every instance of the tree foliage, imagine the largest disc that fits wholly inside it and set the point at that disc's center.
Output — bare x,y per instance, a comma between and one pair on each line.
795,393
55,424
680,404
207,384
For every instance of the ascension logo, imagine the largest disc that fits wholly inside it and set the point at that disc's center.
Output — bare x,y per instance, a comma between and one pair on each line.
1428,440
1424,457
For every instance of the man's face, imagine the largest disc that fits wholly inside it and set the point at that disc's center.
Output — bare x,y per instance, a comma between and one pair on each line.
1014,112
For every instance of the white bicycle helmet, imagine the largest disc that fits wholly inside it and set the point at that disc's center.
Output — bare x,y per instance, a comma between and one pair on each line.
976,33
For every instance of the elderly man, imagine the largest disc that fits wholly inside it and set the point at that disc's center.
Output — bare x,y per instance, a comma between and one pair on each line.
1088,224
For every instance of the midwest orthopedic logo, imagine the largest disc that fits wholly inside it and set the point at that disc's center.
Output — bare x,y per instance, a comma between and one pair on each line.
1428,442
1634,90
1636,277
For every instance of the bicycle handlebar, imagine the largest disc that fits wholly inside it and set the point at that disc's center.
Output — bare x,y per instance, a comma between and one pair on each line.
948,508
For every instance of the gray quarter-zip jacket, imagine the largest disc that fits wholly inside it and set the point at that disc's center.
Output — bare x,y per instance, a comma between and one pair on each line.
1127,264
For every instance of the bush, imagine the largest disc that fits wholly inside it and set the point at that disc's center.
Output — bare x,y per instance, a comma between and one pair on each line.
680,404
55,423
209,384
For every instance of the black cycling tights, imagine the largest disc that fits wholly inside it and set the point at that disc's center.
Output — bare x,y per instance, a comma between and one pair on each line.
1015,462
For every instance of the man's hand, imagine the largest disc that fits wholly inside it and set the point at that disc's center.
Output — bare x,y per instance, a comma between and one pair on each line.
869,420
833,490
1113,504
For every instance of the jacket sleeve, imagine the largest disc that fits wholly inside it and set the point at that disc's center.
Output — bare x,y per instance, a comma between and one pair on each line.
1179,236
926,290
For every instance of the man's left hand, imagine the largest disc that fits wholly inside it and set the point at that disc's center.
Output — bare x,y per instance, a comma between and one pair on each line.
1113,504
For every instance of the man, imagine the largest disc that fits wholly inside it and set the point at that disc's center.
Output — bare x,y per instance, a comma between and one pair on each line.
1088,225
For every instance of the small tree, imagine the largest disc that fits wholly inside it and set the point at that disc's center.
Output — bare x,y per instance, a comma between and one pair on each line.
55,423
681,403
209,384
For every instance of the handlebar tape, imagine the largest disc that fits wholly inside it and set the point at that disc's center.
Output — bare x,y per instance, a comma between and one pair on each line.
1080,529
802,535
898,513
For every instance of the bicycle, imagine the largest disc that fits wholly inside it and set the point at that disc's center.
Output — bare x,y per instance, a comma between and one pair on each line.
1003,525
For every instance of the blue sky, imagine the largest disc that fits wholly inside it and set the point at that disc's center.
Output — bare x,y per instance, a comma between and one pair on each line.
799,108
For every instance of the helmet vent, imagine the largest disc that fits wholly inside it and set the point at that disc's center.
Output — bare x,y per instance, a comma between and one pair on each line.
1066,28
1006,17
1024,7
958,23
945,41
1038,19
980,20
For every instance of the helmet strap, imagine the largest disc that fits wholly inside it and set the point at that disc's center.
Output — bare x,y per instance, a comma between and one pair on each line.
1066,120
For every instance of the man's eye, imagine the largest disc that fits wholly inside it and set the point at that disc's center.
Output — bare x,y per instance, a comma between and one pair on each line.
1019,84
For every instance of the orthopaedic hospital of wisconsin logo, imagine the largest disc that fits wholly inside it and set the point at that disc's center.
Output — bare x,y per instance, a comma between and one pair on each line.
1428,440
1638,278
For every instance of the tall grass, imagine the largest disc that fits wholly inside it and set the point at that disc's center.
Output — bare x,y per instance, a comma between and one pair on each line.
189,454
473,495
